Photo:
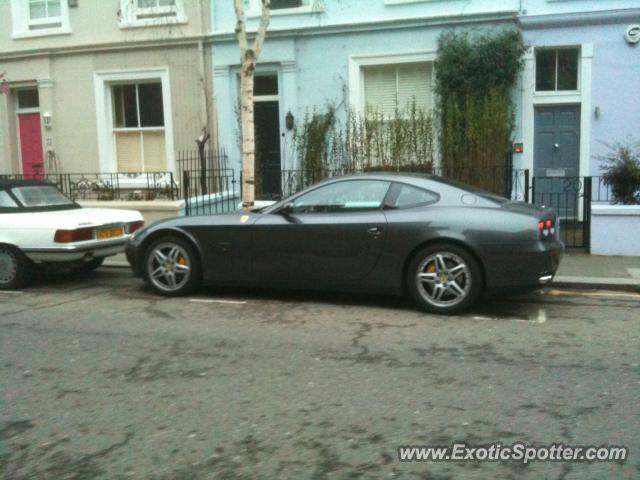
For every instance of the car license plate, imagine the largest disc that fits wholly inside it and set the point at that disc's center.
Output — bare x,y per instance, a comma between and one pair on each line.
106,233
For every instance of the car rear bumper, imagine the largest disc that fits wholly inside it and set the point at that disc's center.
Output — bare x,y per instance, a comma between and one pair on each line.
523,266
74,253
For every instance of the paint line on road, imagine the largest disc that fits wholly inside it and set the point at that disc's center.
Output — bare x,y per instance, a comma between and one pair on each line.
557,293
226,302
634,272
10,292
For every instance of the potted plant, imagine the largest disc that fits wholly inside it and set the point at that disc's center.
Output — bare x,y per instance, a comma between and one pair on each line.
621,172
615,228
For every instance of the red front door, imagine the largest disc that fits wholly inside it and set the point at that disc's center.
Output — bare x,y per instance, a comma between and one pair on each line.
31,145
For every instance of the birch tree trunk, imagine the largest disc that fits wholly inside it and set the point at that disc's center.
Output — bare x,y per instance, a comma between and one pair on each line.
248,59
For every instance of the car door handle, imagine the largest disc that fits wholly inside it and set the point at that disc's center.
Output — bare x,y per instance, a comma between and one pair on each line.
375,231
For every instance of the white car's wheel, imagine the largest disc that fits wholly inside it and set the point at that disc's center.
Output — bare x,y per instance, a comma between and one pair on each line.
15,269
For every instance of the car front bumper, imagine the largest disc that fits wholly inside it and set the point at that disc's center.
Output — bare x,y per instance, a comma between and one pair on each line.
74,253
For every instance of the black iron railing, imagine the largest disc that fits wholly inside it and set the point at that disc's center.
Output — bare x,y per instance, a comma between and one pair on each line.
110,186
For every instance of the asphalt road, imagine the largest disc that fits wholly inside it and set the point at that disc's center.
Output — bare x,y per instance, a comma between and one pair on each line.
99,378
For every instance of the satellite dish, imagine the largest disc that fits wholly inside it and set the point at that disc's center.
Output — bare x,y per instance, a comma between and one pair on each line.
632,34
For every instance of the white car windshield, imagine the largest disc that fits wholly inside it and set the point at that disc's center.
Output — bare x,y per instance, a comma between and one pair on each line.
40,196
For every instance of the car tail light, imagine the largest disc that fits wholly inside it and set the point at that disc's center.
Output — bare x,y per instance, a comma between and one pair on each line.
134,226
69,236
547,228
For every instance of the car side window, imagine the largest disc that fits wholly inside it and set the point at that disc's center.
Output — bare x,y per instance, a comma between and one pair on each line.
347,196
6,201
409,196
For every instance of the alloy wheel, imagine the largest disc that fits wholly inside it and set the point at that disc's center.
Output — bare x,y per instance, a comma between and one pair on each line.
8,266
169,267
443,279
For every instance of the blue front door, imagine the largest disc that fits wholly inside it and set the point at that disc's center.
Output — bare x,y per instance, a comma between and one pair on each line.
557,158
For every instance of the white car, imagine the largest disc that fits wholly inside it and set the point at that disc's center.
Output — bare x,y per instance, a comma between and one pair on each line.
39,225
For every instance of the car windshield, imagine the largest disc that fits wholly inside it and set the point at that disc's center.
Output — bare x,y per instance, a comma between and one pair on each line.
40,196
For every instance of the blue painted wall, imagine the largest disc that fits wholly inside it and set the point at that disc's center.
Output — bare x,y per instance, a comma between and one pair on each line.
310,52
615,65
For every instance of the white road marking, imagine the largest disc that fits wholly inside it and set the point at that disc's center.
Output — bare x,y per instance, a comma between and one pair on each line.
542,315
634,272
10,292
227,302
557,293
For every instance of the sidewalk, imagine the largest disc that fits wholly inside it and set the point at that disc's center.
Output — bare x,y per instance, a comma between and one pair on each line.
580,270
577,270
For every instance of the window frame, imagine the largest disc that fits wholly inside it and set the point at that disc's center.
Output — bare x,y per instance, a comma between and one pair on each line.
103,80
132,16
557,49
139,127
358,62
22,23
380,207
57,20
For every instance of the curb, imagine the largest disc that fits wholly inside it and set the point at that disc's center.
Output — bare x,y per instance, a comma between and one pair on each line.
592,283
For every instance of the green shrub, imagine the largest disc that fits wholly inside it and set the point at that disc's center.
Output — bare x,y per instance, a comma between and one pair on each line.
622,172
475,76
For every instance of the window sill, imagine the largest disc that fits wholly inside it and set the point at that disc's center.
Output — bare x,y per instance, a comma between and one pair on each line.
305,9
44,32
406,2
153,22
556,93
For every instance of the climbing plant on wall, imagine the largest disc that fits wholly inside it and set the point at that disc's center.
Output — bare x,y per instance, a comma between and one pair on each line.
476,73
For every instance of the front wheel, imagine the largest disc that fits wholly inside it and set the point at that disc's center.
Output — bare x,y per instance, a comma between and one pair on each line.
171,267
15,269
444,279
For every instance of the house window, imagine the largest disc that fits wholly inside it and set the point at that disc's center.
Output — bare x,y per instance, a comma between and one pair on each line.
138,126
280,4
140,13
557,69
33,18
28,98
44,14
286,7
393,88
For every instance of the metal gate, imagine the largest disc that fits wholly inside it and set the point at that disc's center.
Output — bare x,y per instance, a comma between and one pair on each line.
570,198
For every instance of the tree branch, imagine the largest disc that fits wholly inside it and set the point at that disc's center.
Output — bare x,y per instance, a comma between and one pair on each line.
265,16
241,30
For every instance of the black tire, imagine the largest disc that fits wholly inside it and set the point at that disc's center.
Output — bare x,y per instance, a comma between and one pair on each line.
186,256
468,280
15,268
91,265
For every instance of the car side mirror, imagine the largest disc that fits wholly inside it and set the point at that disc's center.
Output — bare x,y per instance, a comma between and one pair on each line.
286,209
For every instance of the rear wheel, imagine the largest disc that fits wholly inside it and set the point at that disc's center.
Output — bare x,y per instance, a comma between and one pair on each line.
15,269
171,267
444,279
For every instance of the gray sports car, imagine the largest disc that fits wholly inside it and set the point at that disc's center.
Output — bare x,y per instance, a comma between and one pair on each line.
442,242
